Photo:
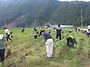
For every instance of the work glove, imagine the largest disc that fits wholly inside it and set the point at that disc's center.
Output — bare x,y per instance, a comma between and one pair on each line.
8,46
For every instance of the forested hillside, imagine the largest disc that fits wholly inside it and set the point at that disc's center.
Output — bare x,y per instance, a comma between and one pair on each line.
37,12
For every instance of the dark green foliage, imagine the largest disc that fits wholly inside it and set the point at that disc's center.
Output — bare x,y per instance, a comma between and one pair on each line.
38,12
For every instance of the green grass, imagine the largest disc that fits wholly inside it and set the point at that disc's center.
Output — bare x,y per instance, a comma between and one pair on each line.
29,52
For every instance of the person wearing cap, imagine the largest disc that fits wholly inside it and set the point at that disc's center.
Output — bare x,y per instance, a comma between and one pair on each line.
49,43
2,48
58,32
71,39
8,34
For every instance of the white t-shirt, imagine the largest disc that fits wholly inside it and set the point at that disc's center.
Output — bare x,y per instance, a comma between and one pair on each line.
48,29
1,36
7,31
35,32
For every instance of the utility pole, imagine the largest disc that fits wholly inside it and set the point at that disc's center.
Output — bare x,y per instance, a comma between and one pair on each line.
81,19
35,20
26,25
5,22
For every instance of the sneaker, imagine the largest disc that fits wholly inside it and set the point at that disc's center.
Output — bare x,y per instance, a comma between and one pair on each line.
68,47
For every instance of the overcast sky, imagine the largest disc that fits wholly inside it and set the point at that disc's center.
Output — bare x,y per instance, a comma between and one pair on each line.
74,0
59,0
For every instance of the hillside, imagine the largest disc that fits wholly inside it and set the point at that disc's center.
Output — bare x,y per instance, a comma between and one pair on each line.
38,12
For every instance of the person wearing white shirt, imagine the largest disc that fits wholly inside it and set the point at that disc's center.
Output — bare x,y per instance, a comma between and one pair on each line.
49,30
8,34
35,33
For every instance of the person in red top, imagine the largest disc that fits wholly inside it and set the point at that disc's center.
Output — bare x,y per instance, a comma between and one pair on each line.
76,28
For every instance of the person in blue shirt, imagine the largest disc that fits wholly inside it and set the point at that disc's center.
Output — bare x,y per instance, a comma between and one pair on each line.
49,43
58,32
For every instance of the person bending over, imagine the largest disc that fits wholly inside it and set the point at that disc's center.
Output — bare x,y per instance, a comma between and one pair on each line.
49,43
8,34
71,39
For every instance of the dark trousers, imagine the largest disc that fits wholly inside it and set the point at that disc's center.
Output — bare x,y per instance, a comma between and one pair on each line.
35,36
88,34
58,35
8,37
69,39
49,32
22,30
2,51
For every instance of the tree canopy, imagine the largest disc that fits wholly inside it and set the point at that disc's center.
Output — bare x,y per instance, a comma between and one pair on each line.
38,12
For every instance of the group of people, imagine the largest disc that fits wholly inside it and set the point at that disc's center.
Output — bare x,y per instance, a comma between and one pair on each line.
49,40
87,31
2,40
47,37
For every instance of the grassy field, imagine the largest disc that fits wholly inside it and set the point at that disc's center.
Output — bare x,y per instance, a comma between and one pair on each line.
28,52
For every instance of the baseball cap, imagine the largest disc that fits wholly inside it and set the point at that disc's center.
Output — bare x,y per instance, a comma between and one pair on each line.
41,32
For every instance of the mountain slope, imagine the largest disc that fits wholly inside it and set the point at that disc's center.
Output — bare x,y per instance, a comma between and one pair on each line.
38,12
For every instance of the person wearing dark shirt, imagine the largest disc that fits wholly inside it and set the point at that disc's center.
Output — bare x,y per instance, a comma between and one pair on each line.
58,32
22,30
71,39
49,43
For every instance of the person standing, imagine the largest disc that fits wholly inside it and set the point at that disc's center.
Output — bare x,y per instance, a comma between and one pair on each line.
76,28
2,48
8,34
35,33
49,30
58,32
49,43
